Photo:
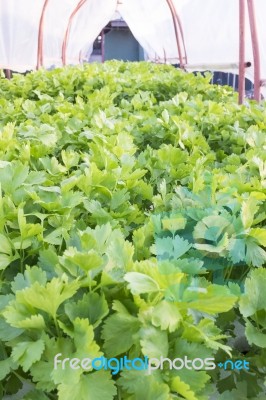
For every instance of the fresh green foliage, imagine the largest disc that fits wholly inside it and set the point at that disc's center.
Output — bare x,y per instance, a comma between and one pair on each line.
132,223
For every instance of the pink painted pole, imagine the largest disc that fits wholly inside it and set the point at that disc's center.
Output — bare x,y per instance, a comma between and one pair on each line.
172,9
181,30
66,37
256,50
40,37
7,73
165,59
241,78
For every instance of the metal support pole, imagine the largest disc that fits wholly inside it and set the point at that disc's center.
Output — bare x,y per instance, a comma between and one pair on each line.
256,49
173,13
241,79
8,73
181,31
40,37
66,37
165,59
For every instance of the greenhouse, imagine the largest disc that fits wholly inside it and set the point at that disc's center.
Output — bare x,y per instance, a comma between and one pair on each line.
132,200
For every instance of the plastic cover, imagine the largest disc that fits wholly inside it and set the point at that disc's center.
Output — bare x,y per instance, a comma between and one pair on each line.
19,24
151,24
211,31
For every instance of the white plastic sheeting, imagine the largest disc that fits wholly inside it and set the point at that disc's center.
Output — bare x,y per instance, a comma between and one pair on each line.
56,17
211,31
19,24
19,30
87,24
151,24
212,35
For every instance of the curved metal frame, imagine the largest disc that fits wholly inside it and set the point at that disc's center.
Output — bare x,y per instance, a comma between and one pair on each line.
241,73
66,37
40,37
181,31
177,27
255,49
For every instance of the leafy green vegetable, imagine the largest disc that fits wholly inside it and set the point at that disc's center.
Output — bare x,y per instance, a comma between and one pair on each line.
132,223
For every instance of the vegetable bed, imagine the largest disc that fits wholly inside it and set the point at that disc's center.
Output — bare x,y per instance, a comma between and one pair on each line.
132,223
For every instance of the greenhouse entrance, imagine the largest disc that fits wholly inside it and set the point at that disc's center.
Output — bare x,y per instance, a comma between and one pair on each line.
121,45
116,42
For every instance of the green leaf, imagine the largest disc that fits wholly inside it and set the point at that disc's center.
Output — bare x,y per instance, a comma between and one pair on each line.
255,255
119,198
6,367
34,322
197,380
116,326
8,332
174,223
44,371
13,176
210,228
184,348
180,387
154,342
206,331
13,385
141,283
49,297
166,315
260,235
27,230
86,261
120,253
248,211
255,336
142,386
5,261
35,394
55,237
212,300
5,246
27,353
94,386
83,336
22,316
30,276
92,306
174,247
253,298
237,250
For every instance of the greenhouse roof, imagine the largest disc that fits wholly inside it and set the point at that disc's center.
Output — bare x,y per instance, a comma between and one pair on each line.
227,35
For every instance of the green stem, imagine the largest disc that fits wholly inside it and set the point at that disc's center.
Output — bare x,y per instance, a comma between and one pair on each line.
243,275
22,255
229,272
96,288
57,327
20,377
